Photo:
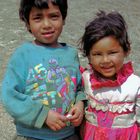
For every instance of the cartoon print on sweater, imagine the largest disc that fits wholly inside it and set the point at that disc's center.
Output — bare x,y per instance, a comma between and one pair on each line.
52,85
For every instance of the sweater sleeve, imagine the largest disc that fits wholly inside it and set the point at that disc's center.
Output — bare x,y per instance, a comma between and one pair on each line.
19,105
80,87
80,93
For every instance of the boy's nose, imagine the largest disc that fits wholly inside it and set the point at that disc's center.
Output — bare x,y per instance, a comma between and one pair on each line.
46,23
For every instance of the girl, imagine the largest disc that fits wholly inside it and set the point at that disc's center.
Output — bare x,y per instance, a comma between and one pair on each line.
112,88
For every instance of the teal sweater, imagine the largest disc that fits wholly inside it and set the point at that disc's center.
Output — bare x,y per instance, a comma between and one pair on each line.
39,79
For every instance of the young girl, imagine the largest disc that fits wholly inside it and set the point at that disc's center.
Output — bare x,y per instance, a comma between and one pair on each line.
112,88
41,86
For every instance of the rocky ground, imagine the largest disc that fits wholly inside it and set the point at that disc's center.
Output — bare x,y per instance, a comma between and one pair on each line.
13,32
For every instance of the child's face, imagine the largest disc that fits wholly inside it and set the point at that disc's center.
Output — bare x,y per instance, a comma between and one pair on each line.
107,57
46,24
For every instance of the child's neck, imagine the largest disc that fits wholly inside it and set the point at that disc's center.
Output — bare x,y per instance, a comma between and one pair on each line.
54,45
101,77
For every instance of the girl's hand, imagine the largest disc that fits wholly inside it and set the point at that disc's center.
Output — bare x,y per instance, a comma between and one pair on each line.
55,121
77,113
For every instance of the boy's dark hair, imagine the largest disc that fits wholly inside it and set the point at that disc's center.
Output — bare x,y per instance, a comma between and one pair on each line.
26,6
111,24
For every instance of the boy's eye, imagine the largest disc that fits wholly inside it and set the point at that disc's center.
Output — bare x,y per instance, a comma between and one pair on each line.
54,17
36,18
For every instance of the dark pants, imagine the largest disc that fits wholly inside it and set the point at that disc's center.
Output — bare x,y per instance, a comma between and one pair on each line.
73,137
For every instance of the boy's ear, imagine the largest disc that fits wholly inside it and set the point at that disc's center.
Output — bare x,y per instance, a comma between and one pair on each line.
28,27
63,22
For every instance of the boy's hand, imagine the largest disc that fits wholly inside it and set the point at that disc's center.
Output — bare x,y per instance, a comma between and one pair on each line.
77,113
55,121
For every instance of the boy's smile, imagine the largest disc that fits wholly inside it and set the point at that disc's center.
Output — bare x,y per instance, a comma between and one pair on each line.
46,25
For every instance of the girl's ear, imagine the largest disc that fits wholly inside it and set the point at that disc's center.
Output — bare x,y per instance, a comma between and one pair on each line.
88,58
127,53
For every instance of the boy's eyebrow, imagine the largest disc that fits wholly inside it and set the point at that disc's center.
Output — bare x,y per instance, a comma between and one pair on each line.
36,14
52,12
55,11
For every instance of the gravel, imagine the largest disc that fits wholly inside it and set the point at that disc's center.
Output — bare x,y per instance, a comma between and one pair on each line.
13,32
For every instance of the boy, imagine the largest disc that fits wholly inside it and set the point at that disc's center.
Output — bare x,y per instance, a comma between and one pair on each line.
41,86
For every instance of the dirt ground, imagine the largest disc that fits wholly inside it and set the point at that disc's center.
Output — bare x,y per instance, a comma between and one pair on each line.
13,32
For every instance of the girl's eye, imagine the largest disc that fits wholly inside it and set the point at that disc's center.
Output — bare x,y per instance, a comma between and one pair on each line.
113,52
96,54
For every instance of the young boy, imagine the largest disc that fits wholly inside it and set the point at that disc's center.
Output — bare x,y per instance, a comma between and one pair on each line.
41,85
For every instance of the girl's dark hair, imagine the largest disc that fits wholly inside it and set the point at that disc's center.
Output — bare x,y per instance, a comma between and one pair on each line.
111,24
26,6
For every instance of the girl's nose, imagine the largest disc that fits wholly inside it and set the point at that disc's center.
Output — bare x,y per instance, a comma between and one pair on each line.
105,59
